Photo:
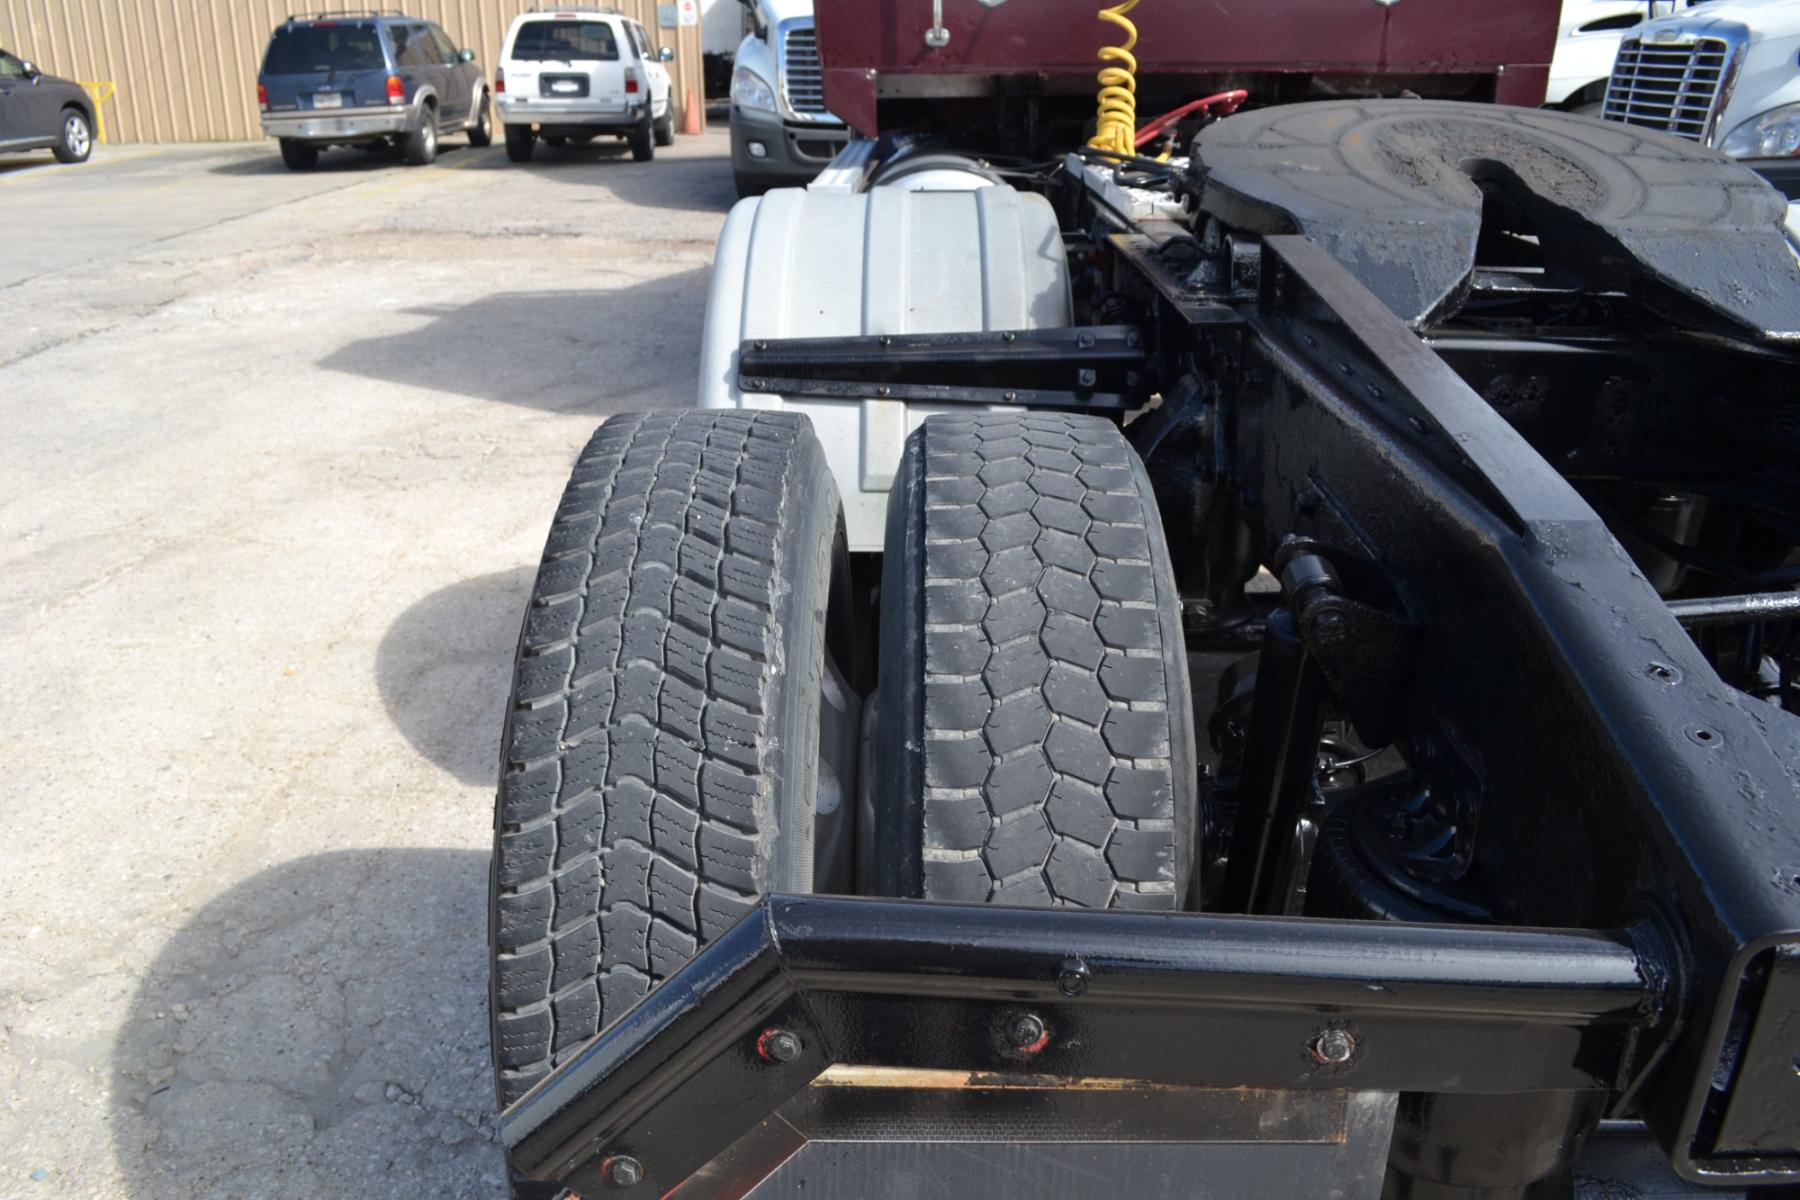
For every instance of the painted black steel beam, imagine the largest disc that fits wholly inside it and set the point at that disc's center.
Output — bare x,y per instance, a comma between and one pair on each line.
1095,367
1621,777
1172,998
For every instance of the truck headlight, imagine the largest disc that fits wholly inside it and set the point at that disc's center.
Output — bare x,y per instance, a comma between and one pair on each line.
1774,134
749,90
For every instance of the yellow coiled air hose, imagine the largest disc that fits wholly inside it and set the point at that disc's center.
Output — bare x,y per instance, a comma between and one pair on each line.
1116,127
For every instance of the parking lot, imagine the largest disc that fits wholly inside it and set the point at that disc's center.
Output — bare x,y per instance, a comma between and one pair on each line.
280,451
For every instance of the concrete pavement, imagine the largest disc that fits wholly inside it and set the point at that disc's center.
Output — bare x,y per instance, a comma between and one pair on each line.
279,455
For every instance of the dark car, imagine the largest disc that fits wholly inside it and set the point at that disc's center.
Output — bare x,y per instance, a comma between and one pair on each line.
369,81
42,112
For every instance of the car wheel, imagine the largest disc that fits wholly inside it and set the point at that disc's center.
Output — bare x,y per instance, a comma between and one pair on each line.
678,704
481,129
421,143
665,127
77,140
298,155
643,141
518,143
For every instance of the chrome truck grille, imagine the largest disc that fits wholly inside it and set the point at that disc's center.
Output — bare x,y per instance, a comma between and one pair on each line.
802,79
1678,88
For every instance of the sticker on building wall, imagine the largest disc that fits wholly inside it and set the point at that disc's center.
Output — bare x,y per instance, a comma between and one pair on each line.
665,15
690,11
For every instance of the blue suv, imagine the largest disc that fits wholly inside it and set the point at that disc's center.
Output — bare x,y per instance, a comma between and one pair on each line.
368,79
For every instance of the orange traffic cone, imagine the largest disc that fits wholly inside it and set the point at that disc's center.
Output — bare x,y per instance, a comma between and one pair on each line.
690,114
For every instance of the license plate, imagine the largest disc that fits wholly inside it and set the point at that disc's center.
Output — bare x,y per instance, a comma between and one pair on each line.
328,100
565,87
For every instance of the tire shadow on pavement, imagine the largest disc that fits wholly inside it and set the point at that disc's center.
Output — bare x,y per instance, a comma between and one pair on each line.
318,1030
445,667
599,351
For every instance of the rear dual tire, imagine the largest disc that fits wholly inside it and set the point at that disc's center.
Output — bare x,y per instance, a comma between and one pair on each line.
680,713
662,751
1037,737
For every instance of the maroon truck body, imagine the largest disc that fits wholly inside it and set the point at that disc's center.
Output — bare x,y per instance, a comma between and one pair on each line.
876,53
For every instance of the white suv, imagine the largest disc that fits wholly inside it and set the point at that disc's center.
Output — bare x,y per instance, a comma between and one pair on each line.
577,72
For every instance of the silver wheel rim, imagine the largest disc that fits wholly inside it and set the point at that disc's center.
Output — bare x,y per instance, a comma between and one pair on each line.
430,134
75,136
487,119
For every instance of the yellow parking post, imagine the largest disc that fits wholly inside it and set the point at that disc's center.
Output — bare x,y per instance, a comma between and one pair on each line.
101,92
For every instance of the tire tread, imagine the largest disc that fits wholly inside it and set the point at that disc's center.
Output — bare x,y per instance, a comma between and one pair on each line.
1057,722
633,809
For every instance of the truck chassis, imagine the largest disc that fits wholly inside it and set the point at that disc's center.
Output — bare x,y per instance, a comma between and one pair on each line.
1500,846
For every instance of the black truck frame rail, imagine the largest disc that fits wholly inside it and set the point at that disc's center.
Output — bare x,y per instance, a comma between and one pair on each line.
1658,789
1448,591
806,983
1091,367
1350,439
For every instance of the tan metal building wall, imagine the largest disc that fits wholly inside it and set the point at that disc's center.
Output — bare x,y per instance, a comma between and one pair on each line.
185,70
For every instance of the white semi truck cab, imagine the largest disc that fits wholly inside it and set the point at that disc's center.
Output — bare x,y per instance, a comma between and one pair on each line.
1587,41
781,132
1725,74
